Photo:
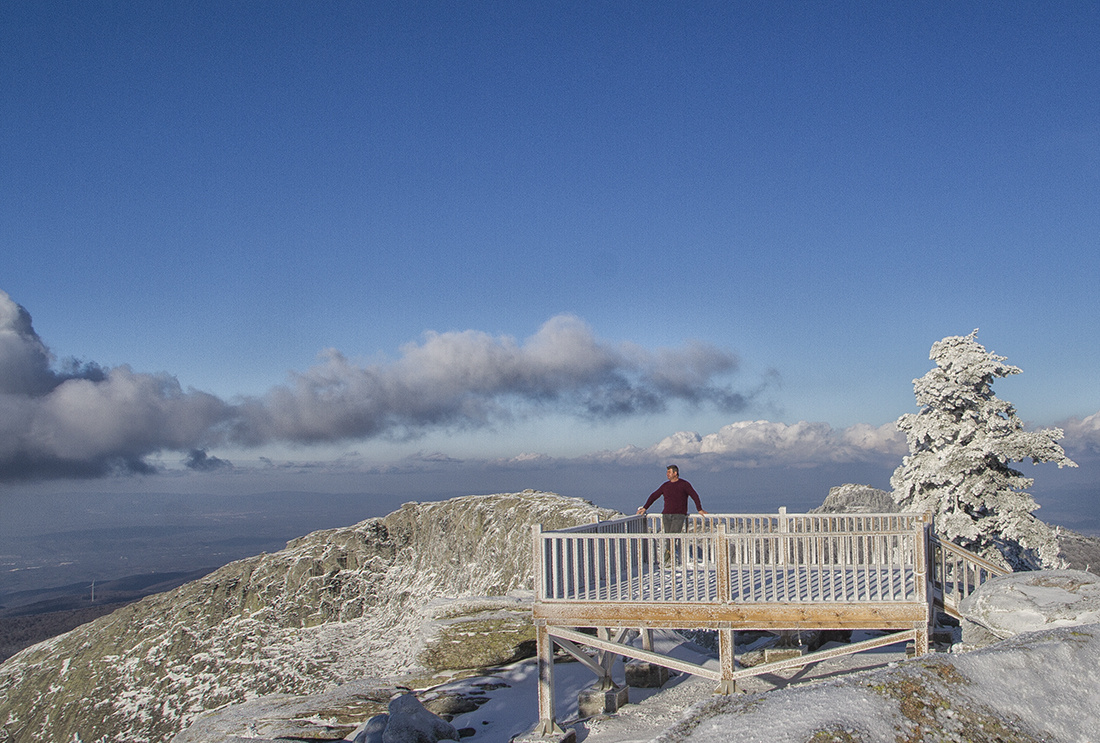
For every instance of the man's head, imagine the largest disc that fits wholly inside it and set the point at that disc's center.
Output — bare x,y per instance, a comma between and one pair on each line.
673,472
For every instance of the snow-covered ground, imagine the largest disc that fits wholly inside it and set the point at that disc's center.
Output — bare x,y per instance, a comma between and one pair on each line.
512,709
1035,687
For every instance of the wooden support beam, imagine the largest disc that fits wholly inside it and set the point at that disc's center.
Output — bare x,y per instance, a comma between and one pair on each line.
920,638
764,616
805,660
727,661
607,658
583,657
545,648
630,651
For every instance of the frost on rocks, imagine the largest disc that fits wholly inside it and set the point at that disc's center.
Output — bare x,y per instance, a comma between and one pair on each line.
1027,602
300,621
960,445
850,498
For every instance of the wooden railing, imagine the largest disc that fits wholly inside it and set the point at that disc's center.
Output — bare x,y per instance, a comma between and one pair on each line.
744,558
806,523
956,573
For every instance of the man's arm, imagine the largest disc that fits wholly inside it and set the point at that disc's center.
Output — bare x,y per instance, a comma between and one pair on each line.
695,497
653,497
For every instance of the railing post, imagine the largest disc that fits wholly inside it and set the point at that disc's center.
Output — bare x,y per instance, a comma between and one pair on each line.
783,542
923,571
538,577
725,574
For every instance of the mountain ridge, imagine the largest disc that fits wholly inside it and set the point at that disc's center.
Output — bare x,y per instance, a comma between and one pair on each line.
296,621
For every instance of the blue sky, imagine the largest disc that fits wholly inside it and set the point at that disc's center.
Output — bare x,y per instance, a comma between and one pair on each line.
745,212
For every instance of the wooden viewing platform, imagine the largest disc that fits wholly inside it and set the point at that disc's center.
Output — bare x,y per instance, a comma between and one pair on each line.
733,572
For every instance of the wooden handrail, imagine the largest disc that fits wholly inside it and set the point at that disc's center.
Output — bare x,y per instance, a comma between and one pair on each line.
956,573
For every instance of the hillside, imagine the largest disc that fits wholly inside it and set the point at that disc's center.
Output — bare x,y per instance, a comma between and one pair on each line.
298,621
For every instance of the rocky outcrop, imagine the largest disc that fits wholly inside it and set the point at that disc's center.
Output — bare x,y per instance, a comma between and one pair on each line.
851,498
299,621
1080,552
1014,604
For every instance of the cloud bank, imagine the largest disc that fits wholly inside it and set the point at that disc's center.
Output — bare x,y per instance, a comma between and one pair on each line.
85,421
471,379
80,420
770,444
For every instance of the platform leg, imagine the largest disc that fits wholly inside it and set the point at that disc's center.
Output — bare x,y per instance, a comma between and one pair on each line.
920,644
606,661
728,662
545,648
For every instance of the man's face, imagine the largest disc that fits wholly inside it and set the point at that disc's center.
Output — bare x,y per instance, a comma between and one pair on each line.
673,475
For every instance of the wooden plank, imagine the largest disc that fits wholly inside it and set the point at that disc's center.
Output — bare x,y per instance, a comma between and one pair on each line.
576,652
731,616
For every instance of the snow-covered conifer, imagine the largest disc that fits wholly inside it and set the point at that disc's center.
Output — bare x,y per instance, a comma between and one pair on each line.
960,444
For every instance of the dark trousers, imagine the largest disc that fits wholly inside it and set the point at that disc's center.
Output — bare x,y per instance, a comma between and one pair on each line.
673,523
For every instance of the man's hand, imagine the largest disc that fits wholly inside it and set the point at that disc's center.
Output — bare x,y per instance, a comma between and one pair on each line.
641,510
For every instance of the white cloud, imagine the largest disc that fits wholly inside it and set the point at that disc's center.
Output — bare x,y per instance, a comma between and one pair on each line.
471,379
1082,435
765,443
86,421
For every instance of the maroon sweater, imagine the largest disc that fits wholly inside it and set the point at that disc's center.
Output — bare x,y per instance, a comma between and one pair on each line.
676,497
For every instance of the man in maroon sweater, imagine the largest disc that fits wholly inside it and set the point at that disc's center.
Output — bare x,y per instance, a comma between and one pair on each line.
676,493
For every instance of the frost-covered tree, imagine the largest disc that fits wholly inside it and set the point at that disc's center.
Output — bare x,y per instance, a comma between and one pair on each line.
960,446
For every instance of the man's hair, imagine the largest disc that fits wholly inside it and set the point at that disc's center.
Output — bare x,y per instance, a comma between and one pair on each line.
674,468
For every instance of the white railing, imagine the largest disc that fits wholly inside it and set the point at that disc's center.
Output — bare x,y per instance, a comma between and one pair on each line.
810,523
743,558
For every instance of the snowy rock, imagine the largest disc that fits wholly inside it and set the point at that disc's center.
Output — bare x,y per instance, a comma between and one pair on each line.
477,632
1026,602
1082,552
850,498
1033,688
330,715
411,722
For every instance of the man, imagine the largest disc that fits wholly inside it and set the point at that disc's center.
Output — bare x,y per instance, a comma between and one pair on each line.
676,493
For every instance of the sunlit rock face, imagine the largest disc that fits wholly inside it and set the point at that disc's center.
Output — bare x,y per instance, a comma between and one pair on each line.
850,498
298,621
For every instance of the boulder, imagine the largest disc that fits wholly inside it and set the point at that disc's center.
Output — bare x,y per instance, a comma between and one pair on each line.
373,730
1013,604
410,722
